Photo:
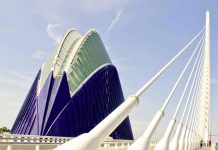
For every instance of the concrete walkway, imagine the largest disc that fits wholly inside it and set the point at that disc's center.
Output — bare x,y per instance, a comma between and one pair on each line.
206,148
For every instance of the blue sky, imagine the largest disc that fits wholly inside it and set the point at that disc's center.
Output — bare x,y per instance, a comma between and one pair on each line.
140,37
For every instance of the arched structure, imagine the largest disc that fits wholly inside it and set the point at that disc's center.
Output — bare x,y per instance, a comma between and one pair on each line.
73,91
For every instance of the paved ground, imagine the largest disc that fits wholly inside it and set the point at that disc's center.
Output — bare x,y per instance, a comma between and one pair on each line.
206,148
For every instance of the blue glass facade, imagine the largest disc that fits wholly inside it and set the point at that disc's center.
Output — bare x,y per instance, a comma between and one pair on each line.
26,118
54,112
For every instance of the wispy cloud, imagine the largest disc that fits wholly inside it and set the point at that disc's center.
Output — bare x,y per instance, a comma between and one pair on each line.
38,54
115,20
52,32
118,15
28,76
14,86
11,81
13,78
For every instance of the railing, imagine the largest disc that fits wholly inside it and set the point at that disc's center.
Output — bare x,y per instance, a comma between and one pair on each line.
116,144
16,139
31,139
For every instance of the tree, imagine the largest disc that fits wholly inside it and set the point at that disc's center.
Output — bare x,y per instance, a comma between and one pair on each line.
4,129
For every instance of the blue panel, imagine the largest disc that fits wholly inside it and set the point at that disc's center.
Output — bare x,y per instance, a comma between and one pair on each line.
34,127
29,116
43,100
97,98
23,117
56,113
58,100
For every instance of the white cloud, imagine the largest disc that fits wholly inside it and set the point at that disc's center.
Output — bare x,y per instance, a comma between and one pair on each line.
38,54
121,7
115,20
52,32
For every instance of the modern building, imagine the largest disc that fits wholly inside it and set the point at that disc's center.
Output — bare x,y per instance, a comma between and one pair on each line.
73,91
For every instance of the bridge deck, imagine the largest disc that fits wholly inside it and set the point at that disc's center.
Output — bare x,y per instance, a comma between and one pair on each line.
206,148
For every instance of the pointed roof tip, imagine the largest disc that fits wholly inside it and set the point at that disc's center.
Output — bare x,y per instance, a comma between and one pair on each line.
92,30
52,68
73,29
68,32
42,67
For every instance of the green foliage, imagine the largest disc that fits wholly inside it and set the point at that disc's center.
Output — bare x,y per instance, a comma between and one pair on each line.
4,129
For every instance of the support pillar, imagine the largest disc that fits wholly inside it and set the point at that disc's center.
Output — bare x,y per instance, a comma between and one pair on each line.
37,147
9,147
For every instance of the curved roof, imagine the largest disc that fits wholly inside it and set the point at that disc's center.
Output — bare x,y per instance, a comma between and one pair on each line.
87,56
68,42
77,56
74,90
58,57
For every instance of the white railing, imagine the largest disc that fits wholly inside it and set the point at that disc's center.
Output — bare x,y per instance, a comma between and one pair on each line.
31,139
16,139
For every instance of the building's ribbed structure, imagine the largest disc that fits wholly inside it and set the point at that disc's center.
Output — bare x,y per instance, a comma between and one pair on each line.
73,91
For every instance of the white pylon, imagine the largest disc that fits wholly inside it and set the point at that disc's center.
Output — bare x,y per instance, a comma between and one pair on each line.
207,77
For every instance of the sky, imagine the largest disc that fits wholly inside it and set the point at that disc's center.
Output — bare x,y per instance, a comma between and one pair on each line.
140,37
